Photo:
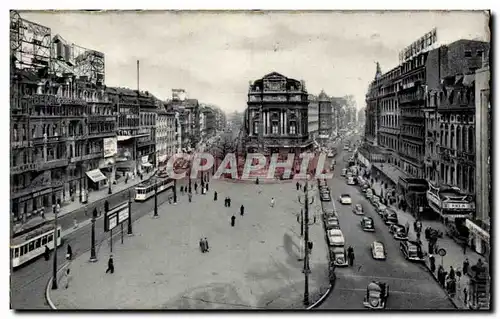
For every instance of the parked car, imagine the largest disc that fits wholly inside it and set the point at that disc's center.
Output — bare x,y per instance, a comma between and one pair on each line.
344,172
358,209
374,200
332,223
411,250
345,199
367,224
390,217
378,250
338,255
381,209
325,197
335,237
369,193
398,231
376,295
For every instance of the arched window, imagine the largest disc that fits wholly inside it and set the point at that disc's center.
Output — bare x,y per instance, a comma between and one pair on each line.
452,137
15,133
471,140
459,138
255,127
464,139
446,135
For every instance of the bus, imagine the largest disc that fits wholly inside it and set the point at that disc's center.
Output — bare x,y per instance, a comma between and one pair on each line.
30,245
145,190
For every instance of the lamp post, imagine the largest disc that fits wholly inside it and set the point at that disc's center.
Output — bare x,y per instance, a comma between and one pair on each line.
156,198
55,209
307,201
129,227
93,257
109,186
175,191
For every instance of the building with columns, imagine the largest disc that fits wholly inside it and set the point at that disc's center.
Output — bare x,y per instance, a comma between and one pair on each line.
325,116
277,115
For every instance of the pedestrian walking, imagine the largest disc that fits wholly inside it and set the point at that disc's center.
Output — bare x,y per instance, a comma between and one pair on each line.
242,210
202,245
272,202
465,266
297,185
69,253
196,188
75,223
465,295
111,265
46,254
205,241
451,274
215,196
229,202
432,261
42,213
206,187
233,220
182,190
190,197
66,278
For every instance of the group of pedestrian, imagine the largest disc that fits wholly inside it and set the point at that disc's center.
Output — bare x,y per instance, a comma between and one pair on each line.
227,201
204,245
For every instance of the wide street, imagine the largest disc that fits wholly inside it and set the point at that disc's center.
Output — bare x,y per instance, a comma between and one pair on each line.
410,285
28,282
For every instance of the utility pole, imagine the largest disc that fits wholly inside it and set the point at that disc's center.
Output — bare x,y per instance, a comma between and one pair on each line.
306,269
93,257
156,199
129,228
55,209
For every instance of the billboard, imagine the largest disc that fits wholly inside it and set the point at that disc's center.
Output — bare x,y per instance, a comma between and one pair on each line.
110,146
421,45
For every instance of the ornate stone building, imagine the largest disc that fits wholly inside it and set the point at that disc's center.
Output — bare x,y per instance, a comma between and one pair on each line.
325,116
277,115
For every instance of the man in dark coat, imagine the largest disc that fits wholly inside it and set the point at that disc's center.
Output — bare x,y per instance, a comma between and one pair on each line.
432,261
465,268
205,241
111,265
69,253
196,188
215,196
46,254
233,220
242,210
297,185
229,202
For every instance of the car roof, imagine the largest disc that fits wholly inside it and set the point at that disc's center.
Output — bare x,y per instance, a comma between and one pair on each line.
347,195
367,218
335,232
377,243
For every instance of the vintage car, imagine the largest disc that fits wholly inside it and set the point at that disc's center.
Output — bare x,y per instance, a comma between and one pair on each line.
374,199
344,172
390,217
378,250
322,183
338,255
412,250
367,224
376,295
358,209
369,193
325,195
332,223
335,237
381,209
398,231
345,199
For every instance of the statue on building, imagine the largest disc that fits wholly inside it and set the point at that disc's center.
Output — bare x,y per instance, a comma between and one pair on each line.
378,73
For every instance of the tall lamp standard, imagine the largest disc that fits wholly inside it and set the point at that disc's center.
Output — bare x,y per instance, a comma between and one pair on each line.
109,187
129,227
55,209
93,257
307,201
156,198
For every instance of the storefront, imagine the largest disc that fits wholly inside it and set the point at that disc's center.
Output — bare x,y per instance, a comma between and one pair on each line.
450,204
97,179
146,165
480,236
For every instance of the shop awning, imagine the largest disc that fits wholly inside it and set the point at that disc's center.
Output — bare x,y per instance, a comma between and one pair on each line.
96,175
147,164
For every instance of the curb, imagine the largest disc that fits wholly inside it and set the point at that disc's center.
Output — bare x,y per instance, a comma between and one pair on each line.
320,300
447,295
48,288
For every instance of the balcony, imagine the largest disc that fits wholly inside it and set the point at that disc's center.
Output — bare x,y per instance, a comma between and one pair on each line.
102,134
23,168
19,144
413,97
82,158
94,118
465,157
146,143
52,164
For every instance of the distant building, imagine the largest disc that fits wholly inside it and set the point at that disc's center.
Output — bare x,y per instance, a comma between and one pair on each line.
325,116
313,117
277,115
189,117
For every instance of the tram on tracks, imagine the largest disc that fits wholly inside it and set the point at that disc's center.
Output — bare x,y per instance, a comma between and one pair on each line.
146,190
31,244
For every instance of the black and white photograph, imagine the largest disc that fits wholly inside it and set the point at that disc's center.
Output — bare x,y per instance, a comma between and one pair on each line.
250,160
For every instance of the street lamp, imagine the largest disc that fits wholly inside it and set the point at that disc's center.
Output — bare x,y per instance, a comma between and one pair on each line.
307,201
129,228
156,198
175,191
93,257
109,187
55,209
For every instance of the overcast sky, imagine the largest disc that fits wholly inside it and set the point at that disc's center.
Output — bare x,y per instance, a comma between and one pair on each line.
214,55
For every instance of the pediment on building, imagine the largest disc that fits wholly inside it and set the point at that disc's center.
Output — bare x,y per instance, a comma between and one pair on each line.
274,75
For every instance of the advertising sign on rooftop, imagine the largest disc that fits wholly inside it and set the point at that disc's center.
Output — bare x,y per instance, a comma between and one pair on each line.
423,44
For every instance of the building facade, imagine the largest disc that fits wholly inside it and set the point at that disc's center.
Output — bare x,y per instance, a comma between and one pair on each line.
146,142
325,116
207,122
313,117
188,111
277,115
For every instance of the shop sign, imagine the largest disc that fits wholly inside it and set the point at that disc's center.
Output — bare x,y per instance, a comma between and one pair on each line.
110,146
442,252
460,206
115,216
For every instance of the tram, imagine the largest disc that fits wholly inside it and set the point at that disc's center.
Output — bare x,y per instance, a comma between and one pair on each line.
30,245
146,190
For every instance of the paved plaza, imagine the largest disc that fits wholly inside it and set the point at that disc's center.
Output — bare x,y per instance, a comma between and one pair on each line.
253,265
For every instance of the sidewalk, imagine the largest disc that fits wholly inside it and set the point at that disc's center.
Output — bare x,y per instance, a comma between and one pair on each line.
93,197
454,253
253,265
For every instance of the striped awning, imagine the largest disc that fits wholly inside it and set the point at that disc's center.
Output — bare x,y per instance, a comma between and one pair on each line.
96,175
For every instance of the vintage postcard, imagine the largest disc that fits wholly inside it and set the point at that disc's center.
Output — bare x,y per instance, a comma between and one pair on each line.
250,160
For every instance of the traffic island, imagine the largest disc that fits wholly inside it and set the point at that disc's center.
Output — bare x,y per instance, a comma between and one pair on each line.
253,265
